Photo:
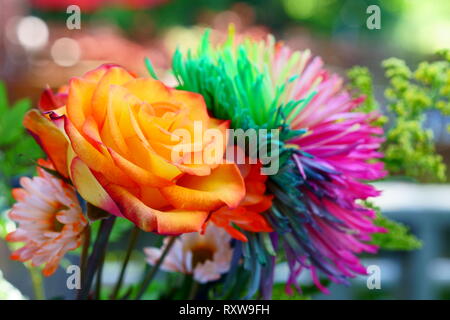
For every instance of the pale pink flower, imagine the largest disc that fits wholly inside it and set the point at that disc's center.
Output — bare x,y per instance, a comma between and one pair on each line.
50,221
205,256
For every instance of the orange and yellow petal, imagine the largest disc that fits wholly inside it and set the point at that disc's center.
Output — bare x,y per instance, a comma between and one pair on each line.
224,186
50,138
149,90
90,189
79,100
100,98
148,219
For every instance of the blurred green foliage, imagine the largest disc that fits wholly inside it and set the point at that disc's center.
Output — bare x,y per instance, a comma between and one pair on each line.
397,237
409,149
279,293
324,16
3,225
17,148
336,16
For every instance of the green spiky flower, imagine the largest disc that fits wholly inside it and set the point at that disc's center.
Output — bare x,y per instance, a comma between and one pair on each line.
237,83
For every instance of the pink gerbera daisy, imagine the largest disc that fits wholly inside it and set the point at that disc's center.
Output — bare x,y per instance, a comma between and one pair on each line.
50,220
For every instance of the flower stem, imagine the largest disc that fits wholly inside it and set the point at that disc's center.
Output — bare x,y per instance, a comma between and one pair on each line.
194,290
152,272
98,284
85,252
131,244
99,247
38,285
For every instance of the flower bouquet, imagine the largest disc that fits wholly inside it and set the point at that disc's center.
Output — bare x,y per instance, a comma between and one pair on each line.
256,156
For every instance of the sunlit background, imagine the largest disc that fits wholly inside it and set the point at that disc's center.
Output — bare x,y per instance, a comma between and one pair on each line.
37,49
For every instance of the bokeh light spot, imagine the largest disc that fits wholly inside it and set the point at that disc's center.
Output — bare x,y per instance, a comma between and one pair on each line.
32,33
65,52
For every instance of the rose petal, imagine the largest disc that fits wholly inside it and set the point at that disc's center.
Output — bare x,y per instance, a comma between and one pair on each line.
79,100
149,90
50,138
114,76
148,219
93,158
224,186
90,189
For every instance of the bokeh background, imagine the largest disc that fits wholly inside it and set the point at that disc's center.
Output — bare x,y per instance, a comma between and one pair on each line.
37,50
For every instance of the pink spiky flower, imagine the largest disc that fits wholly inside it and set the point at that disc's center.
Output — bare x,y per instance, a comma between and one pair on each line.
337,157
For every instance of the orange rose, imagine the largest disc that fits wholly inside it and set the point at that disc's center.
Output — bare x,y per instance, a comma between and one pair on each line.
114,135
249,215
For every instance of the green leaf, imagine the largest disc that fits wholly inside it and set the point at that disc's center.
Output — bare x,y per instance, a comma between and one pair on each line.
3,98
11,128
17,148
